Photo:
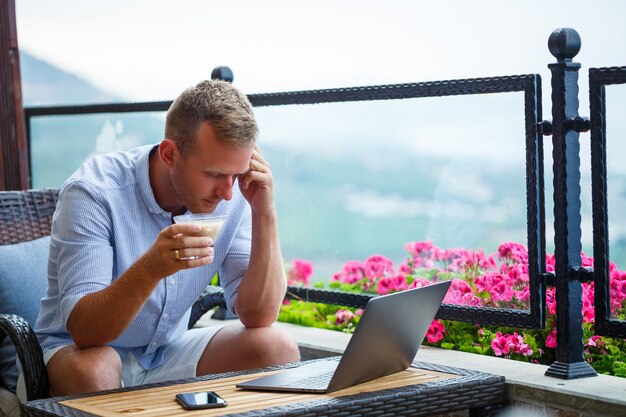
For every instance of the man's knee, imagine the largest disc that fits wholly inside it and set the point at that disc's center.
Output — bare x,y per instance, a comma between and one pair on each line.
73,370
288,345
276,345
236,347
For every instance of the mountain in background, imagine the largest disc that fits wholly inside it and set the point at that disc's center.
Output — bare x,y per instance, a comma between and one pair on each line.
46,85
337,198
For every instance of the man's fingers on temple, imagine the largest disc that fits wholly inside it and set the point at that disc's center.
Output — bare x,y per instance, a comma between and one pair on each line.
256,156
259,166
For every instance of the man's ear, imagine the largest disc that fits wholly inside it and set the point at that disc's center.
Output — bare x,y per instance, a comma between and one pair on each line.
168,152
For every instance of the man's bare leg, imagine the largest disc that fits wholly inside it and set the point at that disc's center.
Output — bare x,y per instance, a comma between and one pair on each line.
74,371
236,347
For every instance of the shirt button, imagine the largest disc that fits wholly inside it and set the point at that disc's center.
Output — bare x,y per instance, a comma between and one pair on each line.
165,316
153,344
150,210
172,281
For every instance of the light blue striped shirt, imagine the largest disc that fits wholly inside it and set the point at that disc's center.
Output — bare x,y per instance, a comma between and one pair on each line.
106,218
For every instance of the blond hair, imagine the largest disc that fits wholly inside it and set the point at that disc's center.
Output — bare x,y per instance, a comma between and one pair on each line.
215,101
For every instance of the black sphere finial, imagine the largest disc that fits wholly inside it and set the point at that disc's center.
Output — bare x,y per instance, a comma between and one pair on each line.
564,44
222,73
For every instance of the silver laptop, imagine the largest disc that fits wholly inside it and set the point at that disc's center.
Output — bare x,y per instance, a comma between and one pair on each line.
386,341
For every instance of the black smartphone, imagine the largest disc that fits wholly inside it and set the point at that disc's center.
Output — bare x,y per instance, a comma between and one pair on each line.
200,400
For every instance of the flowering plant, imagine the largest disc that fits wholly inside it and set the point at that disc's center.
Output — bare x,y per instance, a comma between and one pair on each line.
495,280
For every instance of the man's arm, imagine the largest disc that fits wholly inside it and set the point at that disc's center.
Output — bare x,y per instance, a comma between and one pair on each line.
263,286
102,316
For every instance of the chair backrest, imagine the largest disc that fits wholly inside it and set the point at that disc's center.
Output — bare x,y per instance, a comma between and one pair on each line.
26,215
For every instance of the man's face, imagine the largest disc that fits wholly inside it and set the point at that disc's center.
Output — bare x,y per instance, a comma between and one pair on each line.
206,176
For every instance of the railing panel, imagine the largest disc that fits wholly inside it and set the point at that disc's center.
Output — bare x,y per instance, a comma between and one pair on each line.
528,85
599,79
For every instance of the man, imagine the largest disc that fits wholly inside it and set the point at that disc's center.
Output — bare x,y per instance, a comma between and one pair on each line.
122,277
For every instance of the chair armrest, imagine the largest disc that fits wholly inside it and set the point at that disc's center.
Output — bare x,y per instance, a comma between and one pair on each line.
211,297
29,354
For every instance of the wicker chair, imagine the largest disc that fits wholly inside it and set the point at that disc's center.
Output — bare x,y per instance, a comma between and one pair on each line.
25,216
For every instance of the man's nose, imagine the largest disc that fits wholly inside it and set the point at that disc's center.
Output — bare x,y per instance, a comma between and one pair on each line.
225,188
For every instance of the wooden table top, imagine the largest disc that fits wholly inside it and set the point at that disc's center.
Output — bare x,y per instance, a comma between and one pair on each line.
418,384
160,401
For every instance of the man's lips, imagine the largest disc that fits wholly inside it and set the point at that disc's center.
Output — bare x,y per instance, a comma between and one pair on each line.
212,202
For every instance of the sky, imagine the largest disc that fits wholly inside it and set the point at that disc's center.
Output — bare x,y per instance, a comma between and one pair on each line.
143,50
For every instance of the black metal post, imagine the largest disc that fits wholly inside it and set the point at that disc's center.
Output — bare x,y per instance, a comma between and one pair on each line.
225,74
564,44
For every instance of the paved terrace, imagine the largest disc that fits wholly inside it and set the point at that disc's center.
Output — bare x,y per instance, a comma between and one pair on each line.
532,394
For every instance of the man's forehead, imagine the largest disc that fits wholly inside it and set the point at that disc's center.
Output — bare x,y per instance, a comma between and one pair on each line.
231,169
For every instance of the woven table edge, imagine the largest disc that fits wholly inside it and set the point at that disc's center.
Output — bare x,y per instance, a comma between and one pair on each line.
492,387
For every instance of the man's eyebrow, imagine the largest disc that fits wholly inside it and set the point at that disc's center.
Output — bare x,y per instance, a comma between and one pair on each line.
213,172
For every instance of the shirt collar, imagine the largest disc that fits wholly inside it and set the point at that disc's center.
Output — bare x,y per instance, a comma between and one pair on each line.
143,180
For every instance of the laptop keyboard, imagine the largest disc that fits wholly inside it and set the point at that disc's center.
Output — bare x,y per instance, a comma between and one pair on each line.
315,381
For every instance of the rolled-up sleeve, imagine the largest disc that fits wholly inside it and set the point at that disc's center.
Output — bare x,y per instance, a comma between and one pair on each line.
81,245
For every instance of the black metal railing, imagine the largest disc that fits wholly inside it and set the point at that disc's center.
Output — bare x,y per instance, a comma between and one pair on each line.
564,128
530,85
598,79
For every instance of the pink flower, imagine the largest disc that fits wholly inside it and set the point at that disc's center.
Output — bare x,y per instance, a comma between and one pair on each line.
589,312
551,339
517,273
422,254
485,282
523,294
503,344
500,344
551,300
391,284
300,272
377,266
404,269
501,292
513,252
550,261
477,259
435,331
352,272
595,341
617,286
459,292
471,300
418,249
385,286
420,282
586,261
343,316
521,347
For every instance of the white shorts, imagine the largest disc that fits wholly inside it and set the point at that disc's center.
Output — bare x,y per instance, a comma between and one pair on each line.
180,360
